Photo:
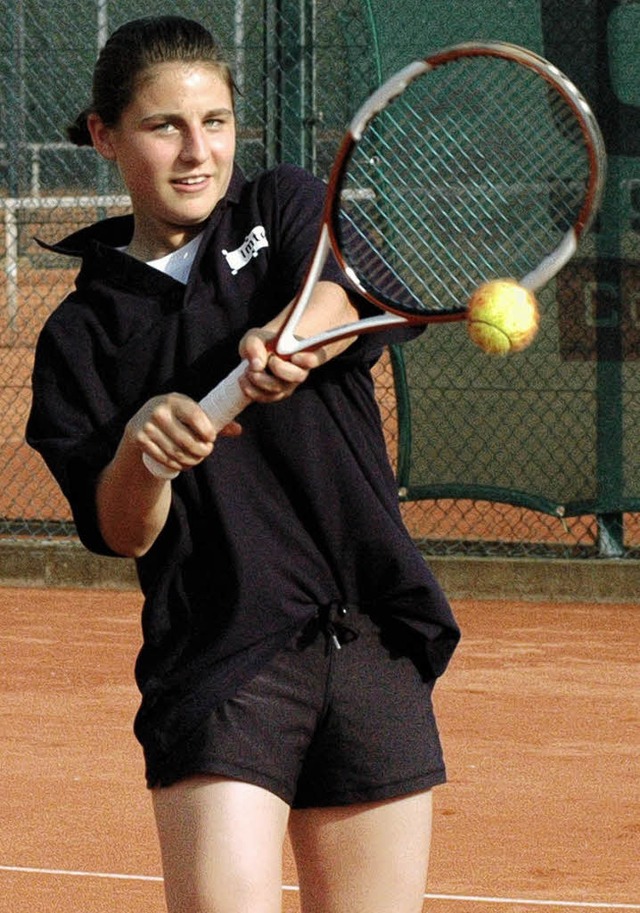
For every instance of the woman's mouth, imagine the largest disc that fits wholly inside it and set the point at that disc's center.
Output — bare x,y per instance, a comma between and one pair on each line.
195,182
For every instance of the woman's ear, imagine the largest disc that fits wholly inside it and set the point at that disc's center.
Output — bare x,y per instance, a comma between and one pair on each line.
101,137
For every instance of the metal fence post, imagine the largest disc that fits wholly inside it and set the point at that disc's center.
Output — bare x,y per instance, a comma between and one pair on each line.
16,138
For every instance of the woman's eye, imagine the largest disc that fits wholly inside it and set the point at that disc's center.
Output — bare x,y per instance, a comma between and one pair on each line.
163,128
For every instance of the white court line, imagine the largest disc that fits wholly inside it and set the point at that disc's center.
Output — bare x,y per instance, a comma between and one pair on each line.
29,870
565,904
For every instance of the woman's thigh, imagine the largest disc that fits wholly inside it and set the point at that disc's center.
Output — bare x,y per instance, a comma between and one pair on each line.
221,843
369,858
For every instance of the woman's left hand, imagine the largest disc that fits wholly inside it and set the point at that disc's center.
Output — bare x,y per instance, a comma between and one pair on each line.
270,378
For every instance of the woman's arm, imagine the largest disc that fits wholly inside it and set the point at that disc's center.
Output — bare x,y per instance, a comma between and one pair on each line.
269,377
133,504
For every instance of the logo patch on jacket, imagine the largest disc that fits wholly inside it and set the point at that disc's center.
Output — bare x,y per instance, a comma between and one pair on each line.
252,244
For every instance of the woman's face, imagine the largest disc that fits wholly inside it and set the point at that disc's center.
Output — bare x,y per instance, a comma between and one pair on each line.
174,146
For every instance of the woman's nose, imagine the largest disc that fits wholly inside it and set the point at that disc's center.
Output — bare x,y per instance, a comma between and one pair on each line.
194,146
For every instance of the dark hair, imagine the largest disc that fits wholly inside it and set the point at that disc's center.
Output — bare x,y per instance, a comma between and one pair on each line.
131,50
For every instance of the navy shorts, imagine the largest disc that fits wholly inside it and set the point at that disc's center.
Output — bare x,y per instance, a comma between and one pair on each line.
340,716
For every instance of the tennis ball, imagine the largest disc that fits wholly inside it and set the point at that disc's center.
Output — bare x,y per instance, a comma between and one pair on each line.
503,317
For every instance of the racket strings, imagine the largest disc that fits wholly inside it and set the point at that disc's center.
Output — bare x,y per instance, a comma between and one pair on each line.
506,140
397,187
562,116
476,170
399,190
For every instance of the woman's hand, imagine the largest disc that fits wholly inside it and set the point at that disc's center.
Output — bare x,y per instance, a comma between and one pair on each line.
133,504
270,378
175,431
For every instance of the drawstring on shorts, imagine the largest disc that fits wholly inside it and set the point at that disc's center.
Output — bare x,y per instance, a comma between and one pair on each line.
330,619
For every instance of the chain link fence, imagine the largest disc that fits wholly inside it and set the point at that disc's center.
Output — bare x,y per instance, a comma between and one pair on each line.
531,455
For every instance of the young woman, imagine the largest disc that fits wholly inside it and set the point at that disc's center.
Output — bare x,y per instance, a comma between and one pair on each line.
292,632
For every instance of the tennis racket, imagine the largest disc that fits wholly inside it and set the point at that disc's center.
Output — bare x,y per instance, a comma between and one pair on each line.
481,161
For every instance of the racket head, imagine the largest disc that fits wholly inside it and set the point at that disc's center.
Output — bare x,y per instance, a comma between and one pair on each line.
480,161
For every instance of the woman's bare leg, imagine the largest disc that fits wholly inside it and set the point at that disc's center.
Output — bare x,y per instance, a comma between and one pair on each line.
369,858
221,843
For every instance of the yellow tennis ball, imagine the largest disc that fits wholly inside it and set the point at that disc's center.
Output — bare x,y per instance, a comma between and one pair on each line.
503,317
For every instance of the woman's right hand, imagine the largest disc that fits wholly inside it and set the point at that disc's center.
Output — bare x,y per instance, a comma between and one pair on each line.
174,431
132,504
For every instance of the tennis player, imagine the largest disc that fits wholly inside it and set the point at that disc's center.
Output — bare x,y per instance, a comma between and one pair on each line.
292,633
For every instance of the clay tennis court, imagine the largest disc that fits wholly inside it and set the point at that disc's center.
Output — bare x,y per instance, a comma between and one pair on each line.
539,715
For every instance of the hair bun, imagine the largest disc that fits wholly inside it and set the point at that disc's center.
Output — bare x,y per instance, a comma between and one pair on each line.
78,131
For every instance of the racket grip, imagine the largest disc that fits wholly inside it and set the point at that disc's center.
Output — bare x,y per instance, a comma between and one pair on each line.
221,404
227,400
157,469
